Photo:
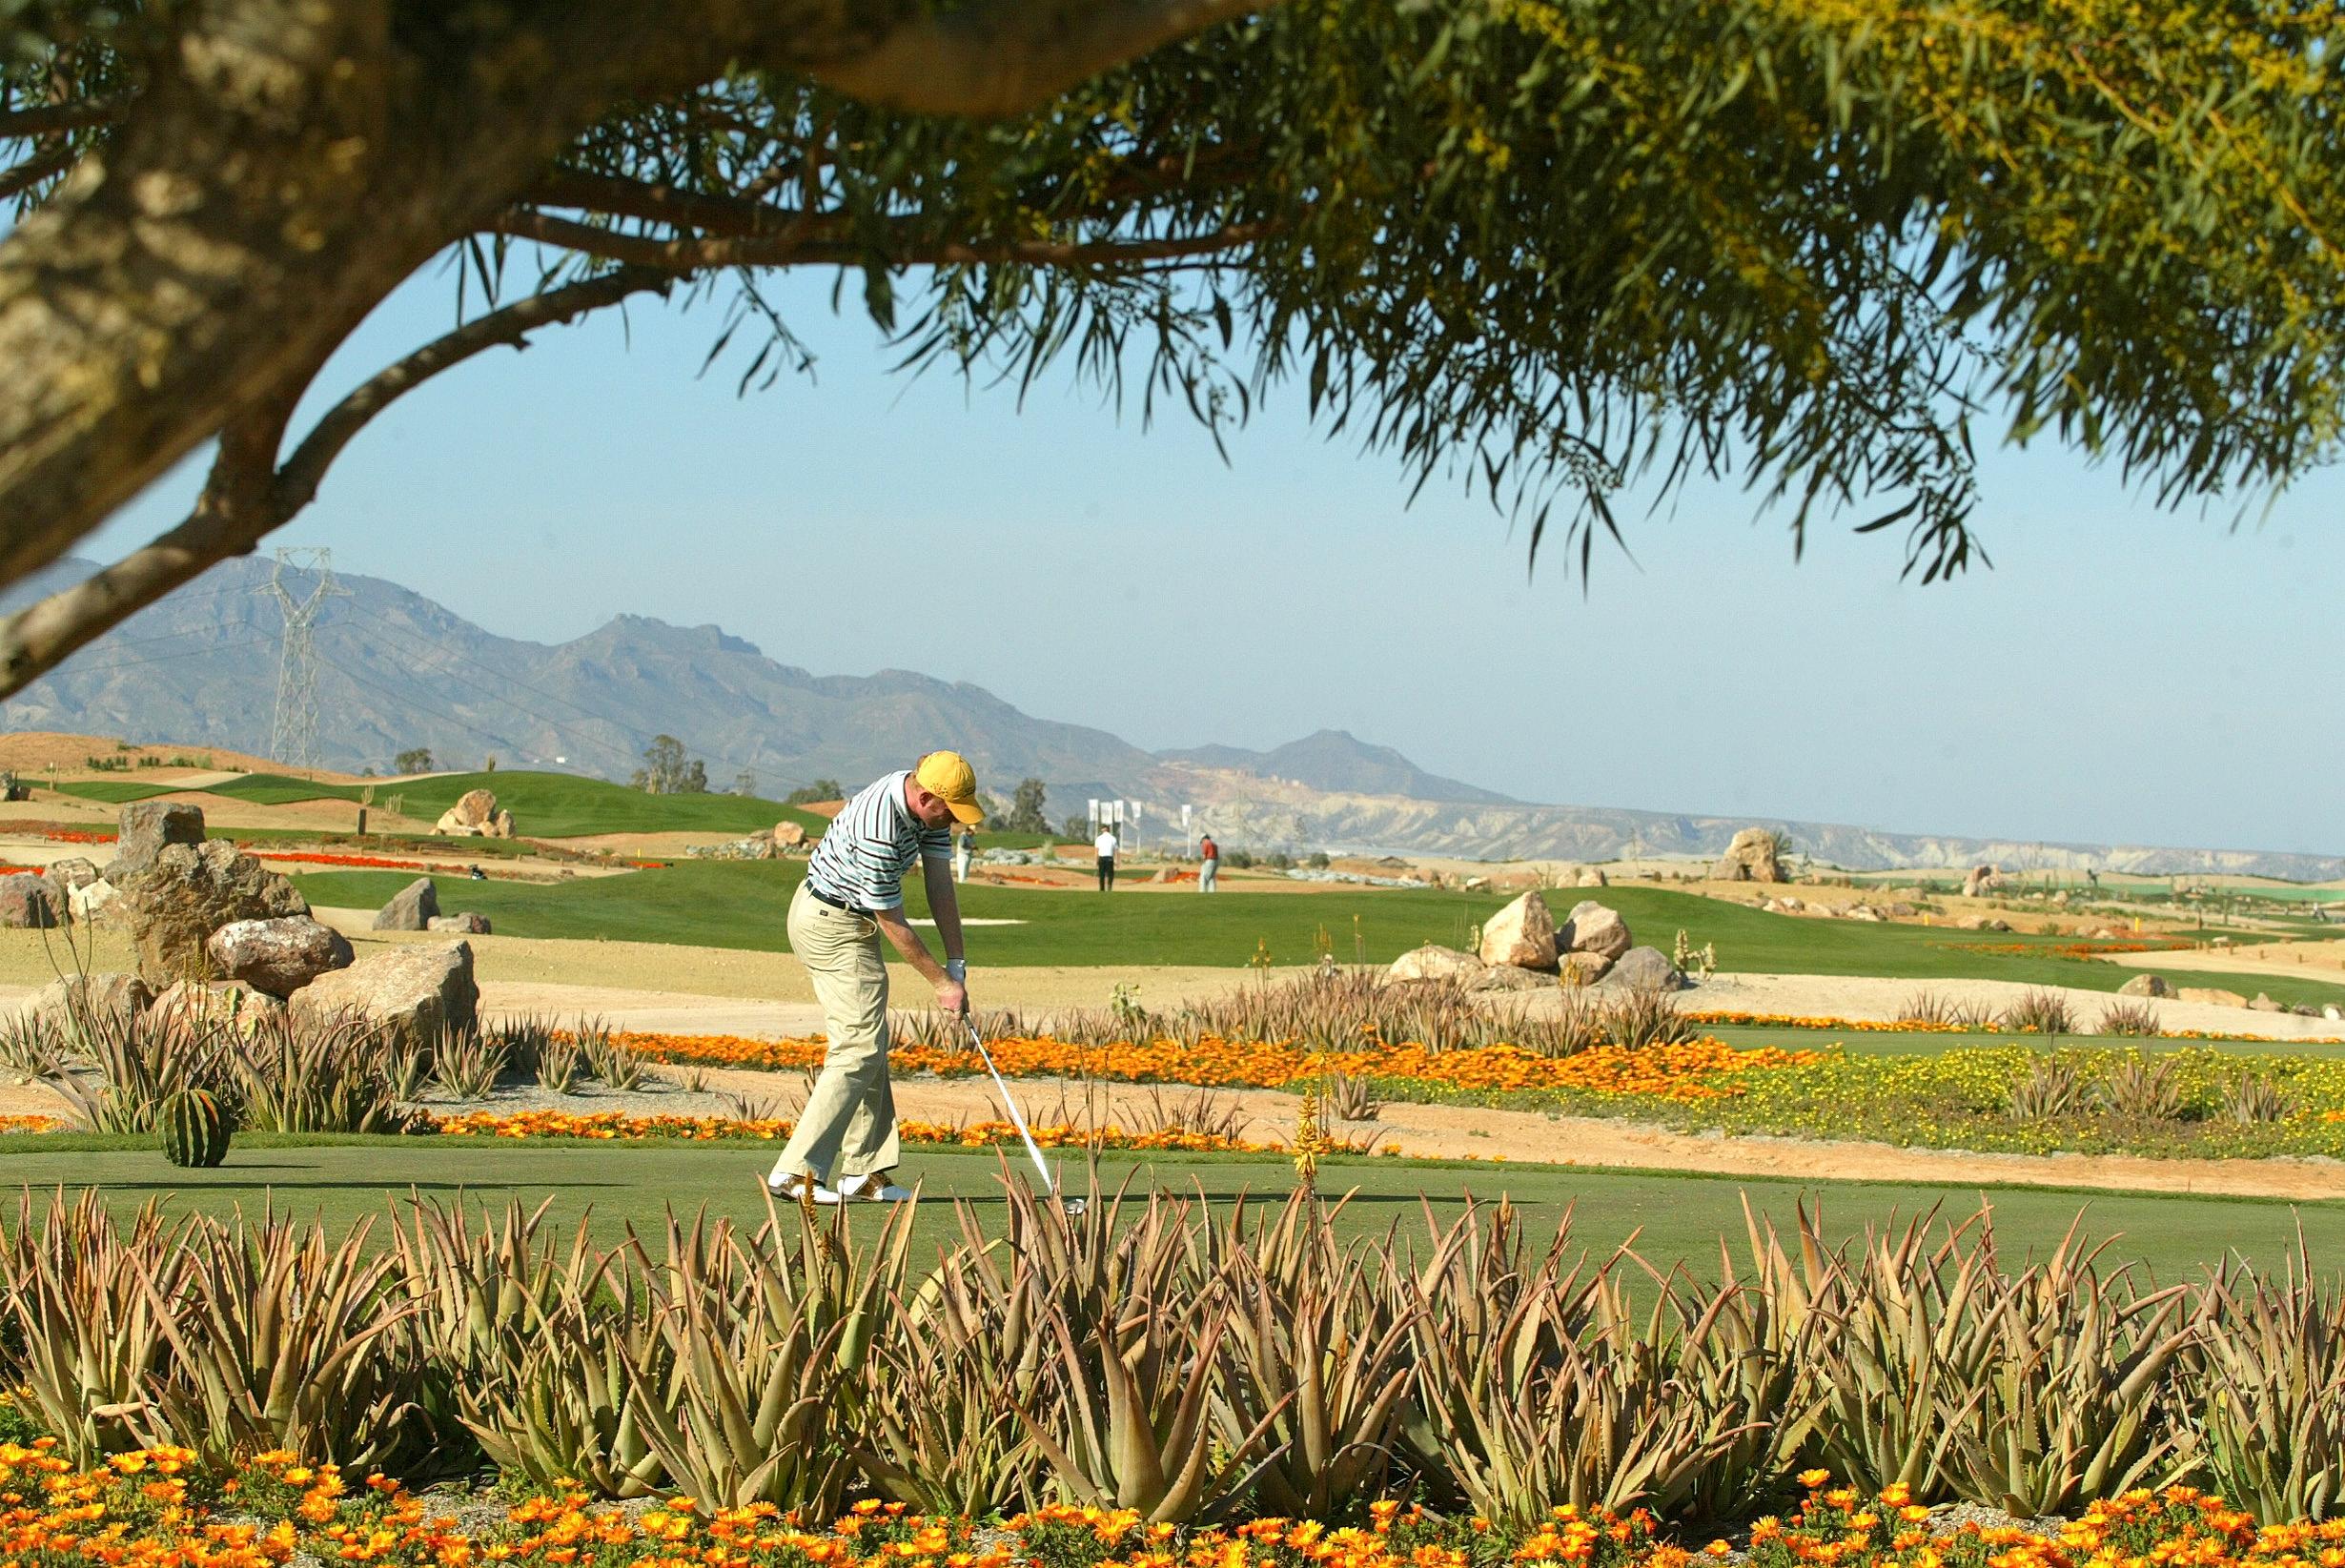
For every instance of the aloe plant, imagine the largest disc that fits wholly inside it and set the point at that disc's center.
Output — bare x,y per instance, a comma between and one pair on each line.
87,1341
771,1341
282,1339
2074,1404
1315,1367
2266,1393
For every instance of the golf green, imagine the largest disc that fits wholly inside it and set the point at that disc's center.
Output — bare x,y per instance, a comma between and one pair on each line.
1673,1217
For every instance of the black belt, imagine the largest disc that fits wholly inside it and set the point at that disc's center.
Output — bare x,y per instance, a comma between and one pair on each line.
838,905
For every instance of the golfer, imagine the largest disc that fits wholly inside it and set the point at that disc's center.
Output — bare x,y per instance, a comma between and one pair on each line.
844,1146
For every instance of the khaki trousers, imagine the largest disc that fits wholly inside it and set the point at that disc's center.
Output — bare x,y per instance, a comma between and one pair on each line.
849,1125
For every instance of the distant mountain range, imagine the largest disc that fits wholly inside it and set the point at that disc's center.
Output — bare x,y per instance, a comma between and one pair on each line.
395,670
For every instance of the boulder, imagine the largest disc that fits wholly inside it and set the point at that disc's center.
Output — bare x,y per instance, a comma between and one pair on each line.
1750,858
1522,934
1979,880
90,903
2265,1003
69,873
451,825
1862,911
1584,969
1593,929
1645,970
2145,985
500,824
476,807
2331,1013
1434,961
277,956
187,891
56,1006
789,835
412,909
1591,877
414,992
145,827
1505,977
463,924
28,901
229,1002
2211,994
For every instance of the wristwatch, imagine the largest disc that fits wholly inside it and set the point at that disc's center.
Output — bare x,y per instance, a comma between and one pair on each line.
956,971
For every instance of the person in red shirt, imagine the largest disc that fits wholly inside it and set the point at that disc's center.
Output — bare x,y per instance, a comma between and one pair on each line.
1208,862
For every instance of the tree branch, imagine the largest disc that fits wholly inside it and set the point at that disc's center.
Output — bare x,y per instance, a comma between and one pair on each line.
247,497
997,59
230,517
710,213
297,479
690,256
34,170
47,119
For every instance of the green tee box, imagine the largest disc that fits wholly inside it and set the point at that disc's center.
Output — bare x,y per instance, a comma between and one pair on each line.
1675,1218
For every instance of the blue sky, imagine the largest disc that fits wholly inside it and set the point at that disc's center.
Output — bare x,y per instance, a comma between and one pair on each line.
2123,674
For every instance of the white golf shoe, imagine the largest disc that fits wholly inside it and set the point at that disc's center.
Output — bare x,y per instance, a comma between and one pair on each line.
875,1187
789,1190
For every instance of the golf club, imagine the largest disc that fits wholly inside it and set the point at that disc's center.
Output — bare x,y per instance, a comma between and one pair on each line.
1018,1117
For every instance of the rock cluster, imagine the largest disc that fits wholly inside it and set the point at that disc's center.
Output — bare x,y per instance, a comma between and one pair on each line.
1750,858
789,835
1522,941
474,815
174,887
1980,880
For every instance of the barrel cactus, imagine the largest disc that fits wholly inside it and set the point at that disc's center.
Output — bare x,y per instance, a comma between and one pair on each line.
193,1129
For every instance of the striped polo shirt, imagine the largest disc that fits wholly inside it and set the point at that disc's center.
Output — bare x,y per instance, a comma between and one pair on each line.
862,855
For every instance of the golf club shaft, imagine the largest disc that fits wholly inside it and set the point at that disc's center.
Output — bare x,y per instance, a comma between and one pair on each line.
1018,1117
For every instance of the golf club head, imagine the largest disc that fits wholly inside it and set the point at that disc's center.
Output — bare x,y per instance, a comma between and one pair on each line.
1074,1208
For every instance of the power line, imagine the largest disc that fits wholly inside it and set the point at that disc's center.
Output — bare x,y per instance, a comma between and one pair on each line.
265,640
405,701
549,695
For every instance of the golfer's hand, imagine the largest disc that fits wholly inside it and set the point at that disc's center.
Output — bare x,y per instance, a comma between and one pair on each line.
951,997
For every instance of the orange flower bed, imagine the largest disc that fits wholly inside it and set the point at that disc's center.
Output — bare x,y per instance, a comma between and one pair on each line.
310,857
1684,1071
32,1124
613,1126
74,835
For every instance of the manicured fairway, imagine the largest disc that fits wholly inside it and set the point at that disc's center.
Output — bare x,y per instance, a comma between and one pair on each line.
741,905
1677,1217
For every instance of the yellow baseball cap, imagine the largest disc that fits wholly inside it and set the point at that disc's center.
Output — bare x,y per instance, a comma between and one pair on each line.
948,776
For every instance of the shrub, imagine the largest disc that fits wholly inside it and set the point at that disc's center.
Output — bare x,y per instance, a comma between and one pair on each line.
2049,1089
2040,1011
2141,1089
2256,1097
2136,1018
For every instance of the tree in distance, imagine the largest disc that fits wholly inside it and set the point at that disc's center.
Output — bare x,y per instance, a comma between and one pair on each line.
1026,814
820,790
666,772
414,760
1534,247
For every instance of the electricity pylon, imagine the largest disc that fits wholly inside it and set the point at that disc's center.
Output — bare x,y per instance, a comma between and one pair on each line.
292,740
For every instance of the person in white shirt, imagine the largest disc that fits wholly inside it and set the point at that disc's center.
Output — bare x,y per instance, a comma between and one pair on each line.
1105,844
